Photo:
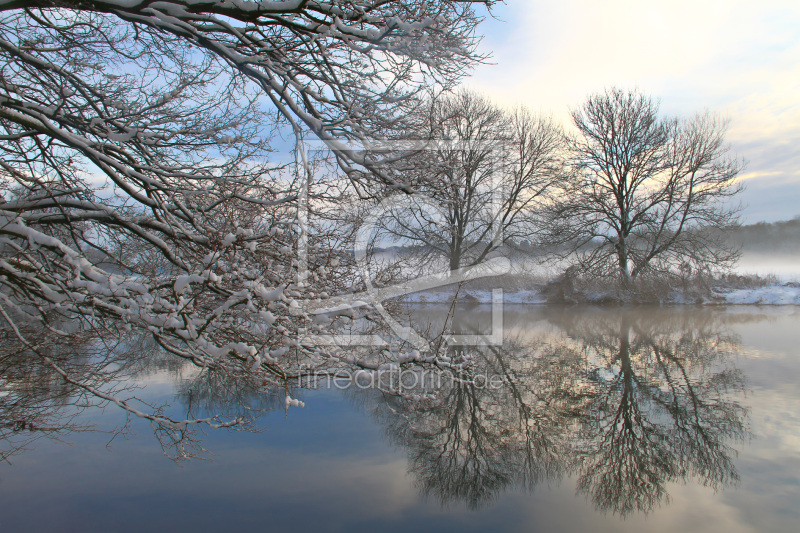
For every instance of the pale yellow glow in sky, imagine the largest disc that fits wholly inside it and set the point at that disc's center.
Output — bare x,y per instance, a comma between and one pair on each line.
740,59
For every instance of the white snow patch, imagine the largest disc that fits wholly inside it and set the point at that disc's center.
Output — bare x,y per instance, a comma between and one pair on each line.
776,294
291,402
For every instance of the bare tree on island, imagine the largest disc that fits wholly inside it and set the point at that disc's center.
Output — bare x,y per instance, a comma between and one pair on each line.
646,194
137,191
481,176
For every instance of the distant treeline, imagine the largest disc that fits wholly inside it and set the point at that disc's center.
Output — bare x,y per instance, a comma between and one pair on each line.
774,237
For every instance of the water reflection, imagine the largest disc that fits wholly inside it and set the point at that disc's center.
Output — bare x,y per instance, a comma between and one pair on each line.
35,401
625,401
664,407
473,440
622,403
210,393
48,391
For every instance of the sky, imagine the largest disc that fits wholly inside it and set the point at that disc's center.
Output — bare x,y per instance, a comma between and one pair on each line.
740,59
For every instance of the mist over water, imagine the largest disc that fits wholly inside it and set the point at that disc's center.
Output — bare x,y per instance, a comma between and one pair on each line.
783,266
770,249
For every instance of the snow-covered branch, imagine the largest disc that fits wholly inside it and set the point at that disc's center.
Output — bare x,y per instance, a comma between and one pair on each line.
144,184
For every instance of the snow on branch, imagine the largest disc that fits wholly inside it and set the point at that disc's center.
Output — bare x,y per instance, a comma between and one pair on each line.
143,189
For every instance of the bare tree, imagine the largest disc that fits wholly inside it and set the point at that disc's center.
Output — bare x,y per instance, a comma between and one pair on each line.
646,194
137,188
480,179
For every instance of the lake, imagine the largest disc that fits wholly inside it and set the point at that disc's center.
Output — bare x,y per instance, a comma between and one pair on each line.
568,418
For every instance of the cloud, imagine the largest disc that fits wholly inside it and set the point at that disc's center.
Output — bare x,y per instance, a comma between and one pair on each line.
740,59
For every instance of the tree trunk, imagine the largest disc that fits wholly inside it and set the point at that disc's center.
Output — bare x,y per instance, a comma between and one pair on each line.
455,261
455,252
624,268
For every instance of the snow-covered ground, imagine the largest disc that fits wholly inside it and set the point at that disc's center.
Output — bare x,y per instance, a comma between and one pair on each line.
524,283
775,294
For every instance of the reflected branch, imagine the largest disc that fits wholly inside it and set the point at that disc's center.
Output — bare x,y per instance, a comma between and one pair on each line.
626,401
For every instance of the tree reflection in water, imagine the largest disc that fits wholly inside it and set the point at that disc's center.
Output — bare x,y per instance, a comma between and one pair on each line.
44,392
473,439
34,400
663,408
625,401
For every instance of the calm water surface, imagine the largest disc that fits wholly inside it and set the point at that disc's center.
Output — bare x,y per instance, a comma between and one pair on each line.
633,419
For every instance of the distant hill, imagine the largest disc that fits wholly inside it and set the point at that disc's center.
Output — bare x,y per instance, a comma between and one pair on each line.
774,237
